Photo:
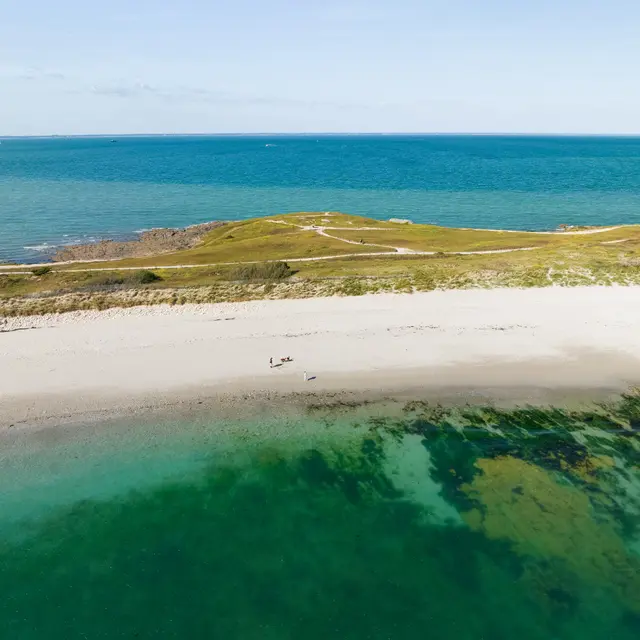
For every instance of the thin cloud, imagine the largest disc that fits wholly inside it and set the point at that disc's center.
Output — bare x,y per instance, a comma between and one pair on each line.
126,90
29,74
142,90
179,94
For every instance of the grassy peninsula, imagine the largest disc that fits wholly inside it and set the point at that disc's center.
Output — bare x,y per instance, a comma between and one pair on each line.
322,254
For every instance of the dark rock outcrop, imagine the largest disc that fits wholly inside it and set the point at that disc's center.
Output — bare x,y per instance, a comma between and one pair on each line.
149,243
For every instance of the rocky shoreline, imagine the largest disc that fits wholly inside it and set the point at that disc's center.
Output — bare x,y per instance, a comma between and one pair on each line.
149,243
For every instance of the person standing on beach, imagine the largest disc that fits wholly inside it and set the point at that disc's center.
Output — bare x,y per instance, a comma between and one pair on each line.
271,363
305,376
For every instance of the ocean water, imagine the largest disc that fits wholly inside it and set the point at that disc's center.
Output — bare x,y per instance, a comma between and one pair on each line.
68,190
361,523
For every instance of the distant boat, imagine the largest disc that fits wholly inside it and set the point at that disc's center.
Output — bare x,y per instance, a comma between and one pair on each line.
270,145
113,141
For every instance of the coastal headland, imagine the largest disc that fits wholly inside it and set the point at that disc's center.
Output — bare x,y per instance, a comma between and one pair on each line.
307,255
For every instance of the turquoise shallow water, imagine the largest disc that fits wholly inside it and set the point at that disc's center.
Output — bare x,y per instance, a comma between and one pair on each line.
352,524
61,191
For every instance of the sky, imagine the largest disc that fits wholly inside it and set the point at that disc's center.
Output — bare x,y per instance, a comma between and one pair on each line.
253,66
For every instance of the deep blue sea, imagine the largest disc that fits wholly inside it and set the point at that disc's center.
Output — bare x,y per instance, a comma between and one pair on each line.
68,190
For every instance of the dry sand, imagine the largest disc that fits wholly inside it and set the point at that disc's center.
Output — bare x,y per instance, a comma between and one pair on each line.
476,340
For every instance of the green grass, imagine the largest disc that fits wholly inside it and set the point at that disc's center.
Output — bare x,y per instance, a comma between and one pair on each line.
556,259
332,219
431,238
255,240
281,238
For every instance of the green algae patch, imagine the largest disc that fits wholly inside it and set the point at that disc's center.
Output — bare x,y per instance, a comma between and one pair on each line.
548,520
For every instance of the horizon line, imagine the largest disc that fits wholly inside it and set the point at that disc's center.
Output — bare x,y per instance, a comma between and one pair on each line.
320,134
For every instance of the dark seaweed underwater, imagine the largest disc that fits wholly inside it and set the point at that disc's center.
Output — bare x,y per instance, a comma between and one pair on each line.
463,523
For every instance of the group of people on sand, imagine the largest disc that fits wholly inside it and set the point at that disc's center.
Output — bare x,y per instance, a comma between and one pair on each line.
282,361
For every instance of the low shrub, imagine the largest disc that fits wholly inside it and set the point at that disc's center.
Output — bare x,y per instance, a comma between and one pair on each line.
41,271
110,282
143,277
266,271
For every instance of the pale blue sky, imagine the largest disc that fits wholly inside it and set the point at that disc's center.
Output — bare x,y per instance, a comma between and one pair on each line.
141,66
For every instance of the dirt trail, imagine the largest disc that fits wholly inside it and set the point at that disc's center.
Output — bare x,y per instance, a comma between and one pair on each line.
390,254
322,231
582,232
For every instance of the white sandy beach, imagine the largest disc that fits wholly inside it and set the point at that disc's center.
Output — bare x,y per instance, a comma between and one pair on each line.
575,338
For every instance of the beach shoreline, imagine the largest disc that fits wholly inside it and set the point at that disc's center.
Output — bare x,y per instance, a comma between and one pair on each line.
536,346
66,410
